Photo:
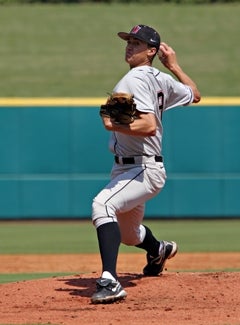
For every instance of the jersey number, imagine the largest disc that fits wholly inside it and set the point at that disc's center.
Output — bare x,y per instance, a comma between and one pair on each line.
160,101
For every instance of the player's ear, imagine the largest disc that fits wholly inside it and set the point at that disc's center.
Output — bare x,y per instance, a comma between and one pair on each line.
152,50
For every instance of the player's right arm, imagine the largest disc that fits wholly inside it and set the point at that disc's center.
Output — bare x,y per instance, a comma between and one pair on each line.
168,58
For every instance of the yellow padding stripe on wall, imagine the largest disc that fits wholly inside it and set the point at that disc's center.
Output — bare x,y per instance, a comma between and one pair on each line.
85,101
52,101
218,101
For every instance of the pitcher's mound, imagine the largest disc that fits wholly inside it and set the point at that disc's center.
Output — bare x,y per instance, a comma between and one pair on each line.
171,299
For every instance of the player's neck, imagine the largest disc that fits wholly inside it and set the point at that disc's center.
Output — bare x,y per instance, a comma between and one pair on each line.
141,65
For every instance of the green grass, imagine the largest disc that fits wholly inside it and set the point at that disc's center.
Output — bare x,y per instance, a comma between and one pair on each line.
6,278
47,237
66,237
66,50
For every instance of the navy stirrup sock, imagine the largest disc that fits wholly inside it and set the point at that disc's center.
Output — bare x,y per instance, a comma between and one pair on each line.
150,243
109,240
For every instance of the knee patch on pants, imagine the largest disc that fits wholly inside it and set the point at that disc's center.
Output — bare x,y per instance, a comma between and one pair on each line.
102,213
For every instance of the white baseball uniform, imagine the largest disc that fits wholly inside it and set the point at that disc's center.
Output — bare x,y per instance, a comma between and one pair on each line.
132,184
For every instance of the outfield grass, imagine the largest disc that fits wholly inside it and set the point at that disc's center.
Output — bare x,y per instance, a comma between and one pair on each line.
73,50
6,278
67,237
80,237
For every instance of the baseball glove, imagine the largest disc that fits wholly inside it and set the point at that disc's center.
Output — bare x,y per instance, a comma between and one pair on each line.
120,107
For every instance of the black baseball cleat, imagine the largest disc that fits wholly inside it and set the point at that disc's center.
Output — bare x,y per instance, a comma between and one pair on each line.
155,265
108,291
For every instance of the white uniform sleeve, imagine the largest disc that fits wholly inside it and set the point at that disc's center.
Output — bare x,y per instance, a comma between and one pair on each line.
136,85
145,83
178,94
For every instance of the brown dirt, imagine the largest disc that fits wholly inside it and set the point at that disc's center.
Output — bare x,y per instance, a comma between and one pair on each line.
174,298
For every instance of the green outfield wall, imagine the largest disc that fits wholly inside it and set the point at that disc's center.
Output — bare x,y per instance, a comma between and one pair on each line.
54,159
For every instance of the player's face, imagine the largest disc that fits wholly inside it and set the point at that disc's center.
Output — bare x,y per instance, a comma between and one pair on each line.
137,53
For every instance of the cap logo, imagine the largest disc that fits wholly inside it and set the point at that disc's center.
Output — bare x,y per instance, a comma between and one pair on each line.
135,29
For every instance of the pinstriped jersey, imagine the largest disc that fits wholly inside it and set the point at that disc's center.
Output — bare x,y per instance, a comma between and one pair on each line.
154,92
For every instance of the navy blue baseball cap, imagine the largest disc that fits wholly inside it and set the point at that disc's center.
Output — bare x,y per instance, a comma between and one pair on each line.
143,33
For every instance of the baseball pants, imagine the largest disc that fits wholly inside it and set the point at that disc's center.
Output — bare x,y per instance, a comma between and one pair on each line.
123,199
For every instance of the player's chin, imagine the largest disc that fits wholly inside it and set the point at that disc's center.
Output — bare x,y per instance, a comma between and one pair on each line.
128,56
129,60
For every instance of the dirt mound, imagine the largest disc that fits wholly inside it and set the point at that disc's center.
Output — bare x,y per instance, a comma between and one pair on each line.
174,298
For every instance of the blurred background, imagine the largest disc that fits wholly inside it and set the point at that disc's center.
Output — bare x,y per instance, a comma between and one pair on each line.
58,62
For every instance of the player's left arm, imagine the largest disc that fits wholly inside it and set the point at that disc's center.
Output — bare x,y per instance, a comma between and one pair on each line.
144,125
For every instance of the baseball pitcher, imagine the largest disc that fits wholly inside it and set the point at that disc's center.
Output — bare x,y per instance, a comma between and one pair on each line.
133,116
